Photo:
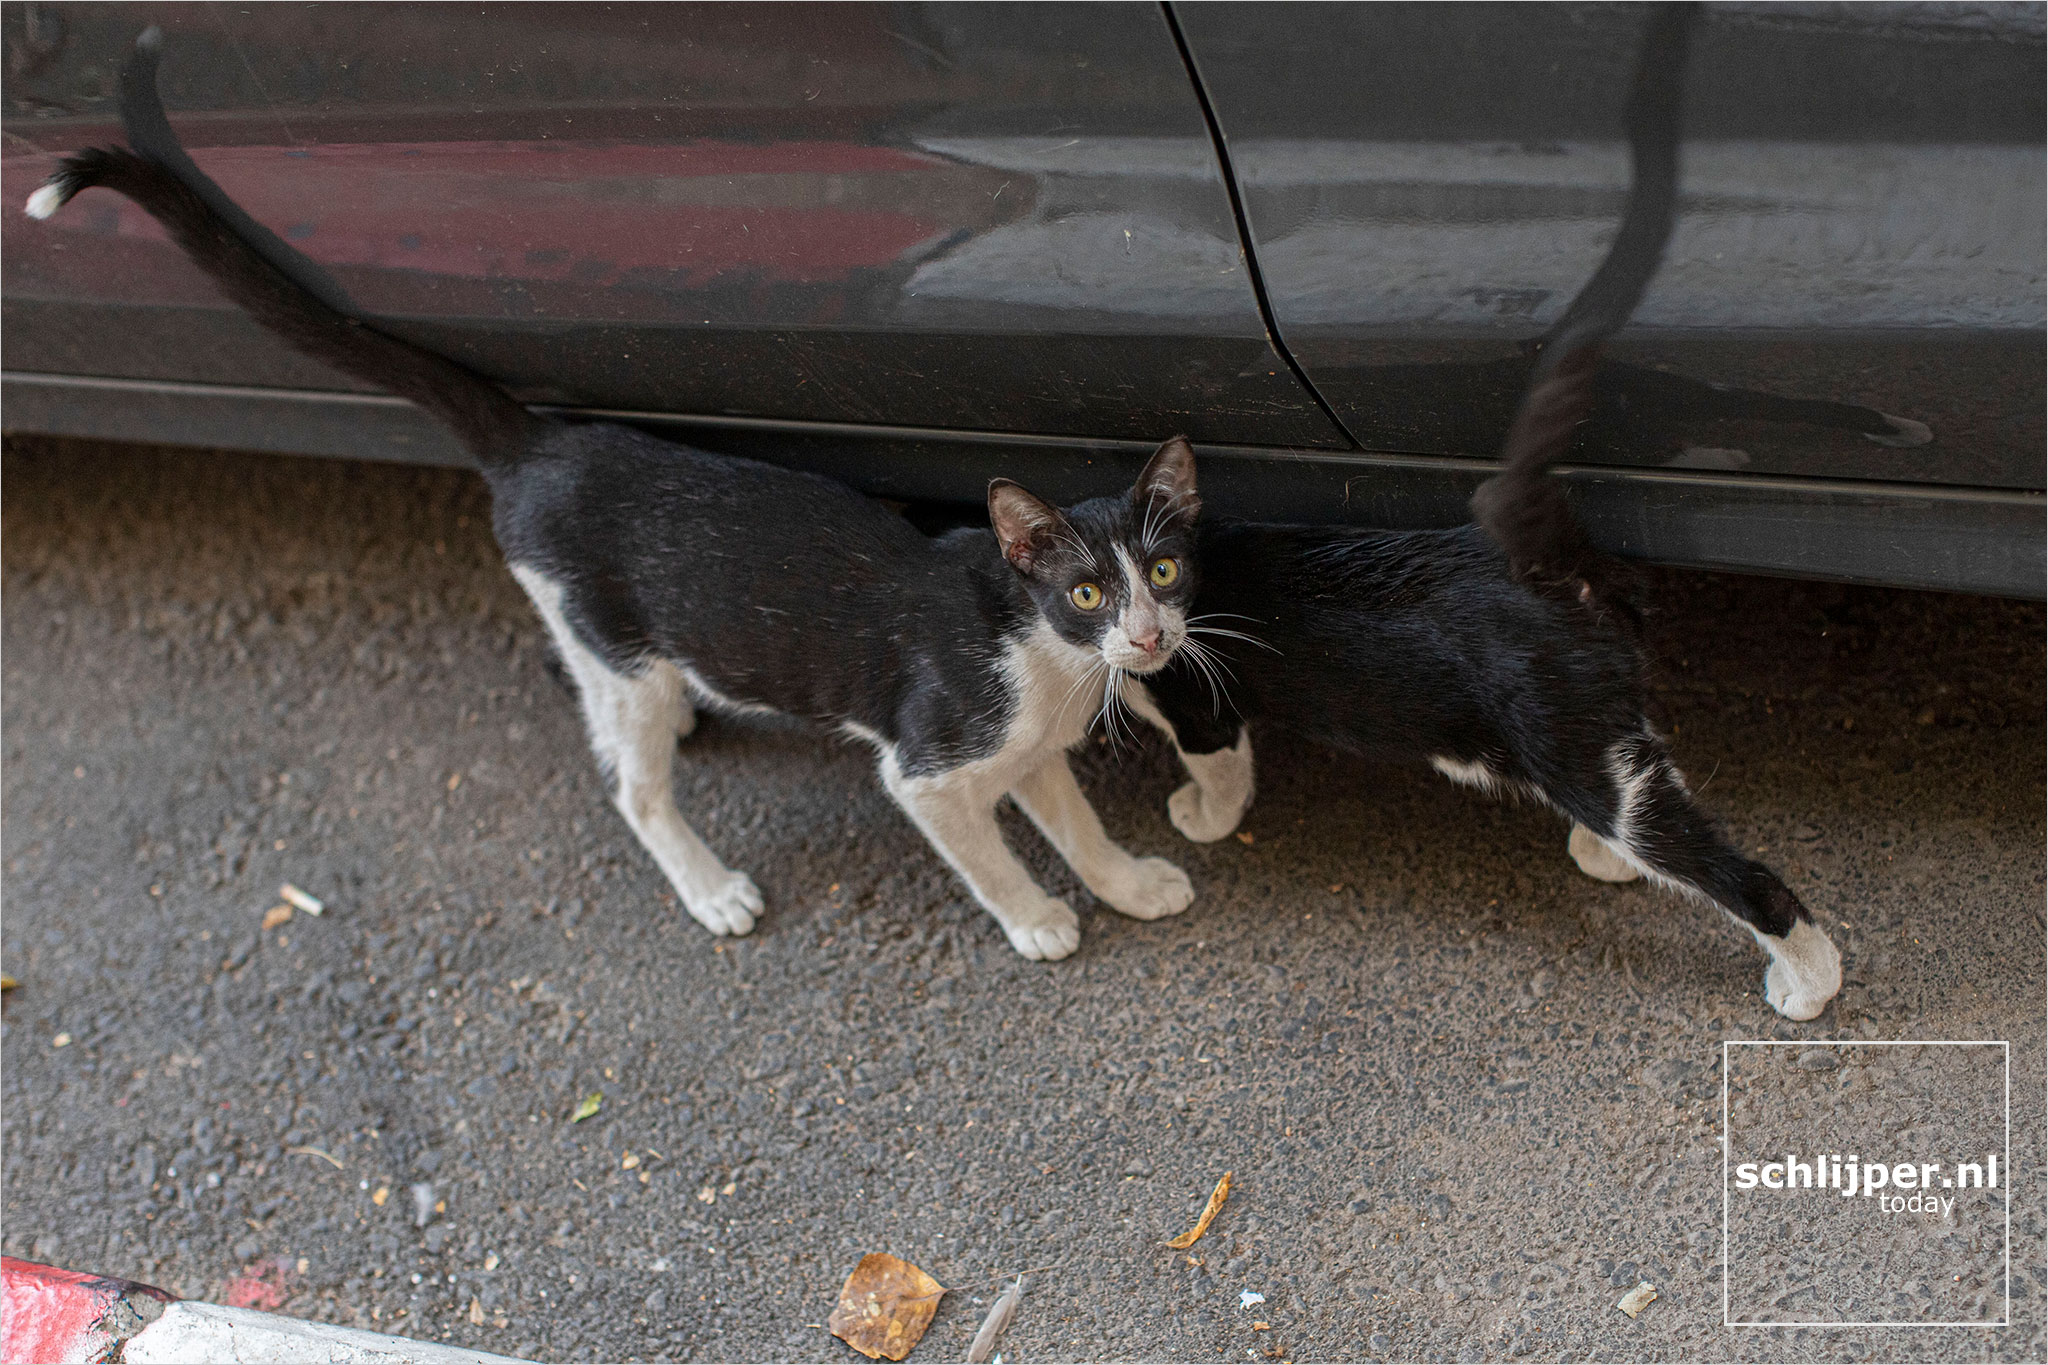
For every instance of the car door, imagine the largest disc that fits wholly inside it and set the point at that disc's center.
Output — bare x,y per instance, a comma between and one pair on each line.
948,217
1850,310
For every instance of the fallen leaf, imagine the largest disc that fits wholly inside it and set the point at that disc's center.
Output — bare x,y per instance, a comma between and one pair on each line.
276,915
1194,1234
592,1102
1637,1299
312,905
992,1326
884,1307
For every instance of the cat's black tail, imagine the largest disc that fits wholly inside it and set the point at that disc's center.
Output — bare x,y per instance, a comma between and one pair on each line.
1522,508
275,284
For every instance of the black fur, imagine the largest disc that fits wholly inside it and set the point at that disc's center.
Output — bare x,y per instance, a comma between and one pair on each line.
1422,645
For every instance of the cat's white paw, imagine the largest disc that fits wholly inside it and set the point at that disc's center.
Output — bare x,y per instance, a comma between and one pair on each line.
1597,858
1200,819
1045,934
1150,888
727,907
1805,971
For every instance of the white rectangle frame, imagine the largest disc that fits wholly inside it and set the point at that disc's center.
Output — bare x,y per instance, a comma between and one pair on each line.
2005,1319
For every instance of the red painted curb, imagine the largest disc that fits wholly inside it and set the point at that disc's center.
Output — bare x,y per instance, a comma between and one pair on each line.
62,1317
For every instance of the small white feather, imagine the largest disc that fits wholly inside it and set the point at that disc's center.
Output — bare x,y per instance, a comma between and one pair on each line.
45,202
992,1326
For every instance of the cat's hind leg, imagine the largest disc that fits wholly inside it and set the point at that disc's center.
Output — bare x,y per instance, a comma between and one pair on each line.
959,820
1657,827
633,720
1143,888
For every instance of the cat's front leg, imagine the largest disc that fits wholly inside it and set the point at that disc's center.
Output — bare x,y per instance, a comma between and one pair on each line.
960,822
1211,805
1143,888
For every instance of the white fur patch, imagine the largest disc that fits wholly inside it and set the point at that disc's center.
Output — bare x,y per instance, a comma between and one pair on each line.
1142,614
1599,859
45,202
717,700
1469,774
1805,971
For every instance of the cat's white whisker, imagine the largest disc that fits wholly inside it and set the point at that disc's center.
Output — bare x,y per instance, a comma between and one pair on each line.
1230,635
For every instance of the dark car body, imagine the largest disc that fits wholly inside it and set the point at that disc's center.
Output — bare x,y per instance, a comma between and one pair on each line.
916,245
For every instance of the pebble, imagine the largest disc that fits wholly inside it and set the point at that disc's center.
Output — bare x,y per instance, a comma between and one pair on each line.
1817,1059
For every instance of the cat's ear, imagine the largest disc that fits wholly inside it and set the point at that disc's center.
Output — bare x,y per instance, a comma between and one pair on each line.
1023,523
1169,479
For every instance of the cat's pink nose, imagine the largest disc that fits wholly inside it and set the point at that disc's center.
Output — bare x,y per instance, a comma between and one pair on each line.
1149,641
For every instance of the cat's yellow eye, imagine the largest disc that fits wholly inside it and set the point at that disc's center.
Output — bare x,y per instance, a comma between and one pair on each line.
1164,572
1086,596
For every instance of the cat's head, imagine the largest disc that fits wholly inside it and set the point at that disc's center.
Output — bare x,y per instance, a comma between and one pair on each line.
1112,575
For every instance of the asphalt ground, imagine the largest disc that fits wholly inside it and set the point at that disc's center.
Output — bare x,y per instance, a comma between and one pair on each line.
1469,1096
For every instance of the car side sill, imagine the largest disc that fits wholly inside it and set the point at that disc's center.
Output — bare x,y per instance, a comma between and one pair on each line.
1905,535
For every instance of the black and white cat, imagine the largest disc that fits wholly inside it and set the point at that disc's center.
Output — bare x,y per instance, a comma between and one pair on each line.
670,578
1501,653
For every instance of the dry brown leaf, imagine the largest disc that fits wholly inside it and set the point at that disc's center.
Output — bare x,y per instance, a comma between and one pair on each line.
884,1307
1194,1234
276,915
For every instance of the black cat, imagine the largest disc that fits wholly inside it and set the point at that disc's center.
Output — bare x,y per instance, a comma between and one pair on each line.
670,577
1502,653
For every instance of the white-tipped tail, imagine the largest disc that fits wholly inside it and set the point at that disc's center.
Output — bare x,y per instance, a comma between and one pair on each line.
46,201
